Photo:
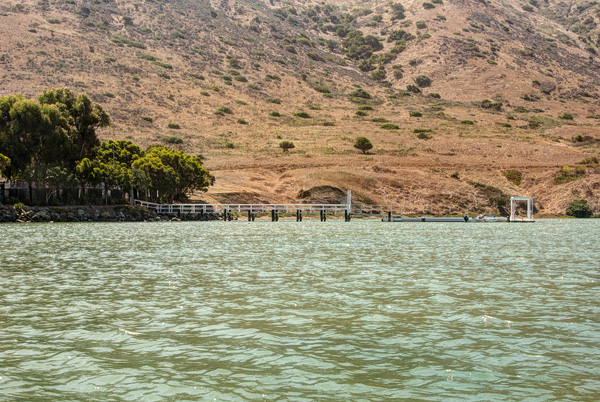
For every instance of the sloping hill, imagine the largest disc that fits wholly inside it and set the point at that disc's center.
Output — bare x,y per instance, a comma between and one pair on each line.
475,89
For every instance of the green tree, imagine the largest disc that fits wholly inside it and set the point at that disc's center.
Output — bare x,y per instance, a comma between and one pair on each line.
91,172
31,134
173,173
83,117
579,209
286,145
363,144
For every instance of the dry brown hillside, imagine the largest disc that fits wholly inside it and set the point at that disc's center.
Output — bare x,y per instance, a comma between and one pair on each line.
455,94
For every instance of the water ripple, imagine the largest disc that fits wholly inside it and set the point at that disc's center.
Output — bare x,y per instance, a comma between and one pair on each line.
361,311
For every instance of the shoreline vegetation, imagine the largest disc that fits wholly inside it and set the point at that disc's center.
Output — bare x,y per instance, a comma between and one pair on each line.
52,141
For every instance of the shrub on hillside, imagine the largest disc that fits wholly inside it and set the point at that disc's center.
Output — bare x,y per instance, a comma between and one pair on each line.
360,93
172,140
390,126
422,81
223,110
363,144
174,126
414,113
302,114
514,176
579,209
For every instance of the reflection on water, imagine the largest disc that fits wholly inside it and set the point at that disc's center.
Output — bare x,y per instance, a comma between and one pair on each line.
332,311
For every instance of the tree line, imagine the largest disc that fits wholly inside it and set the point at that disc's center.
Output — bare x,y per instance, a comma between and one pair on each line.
53,140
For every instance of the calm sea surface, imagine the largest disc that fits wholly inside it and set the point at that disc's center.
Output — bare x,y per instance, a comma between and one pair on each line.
311,311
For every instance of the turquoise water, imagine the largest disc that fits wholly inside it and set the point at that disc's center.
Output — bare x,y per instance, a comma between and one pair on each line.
311,311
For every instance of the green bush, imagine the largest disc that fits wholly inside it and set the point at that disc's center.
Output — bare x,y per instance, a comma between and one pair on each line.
379,74
275,114
322,89
424,135
109,59
423,81
223,110
274,100
109,94
514,176
414,113
286,145
566,116
379,120
360,113
229,145
567,174
579,209
328,123
146,56
172,140
360,93
174,126
242,121
363,144
164,75
467,122
390,126
366,107
147,118
121,40
303,115
413,88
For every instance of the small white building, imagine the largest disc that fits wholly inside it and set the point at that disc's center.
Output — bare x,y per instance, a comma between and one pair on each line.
513,202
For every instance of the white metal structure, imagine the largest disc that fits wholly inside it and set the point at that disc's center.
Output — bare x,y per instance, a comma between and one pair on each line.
513,202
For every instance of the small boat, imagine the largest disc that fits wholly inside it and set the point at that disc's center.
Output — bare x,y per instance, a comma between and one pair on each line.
490,218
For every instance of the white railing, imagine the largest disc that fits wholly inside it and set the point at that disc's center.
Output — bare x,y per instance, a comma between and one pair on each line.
268,208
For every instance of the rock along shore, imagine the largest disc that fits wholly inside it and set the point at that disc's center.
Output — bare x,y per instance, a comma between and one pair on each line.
121,213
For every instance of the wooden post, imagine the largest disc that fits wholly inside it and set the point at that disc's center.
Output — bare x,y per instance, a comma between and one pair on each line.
273,215
390,216
298,216
249,216
225,213
347,216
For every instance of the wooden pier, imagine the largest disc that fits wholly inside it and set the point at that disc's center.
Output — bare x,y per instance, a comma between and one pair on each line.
226,211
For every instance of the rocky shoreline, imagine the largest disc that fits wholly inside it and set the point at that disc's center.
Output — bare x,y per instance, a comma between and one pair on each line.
121,213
